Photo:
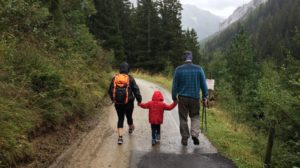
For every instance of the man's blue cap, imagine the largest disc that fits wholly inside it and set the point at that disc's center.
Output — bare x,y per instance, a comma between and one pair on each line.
188,56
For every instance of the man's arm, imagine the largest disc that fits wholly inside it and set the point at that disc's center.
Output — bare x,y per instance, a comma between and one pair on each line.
203,85
174,86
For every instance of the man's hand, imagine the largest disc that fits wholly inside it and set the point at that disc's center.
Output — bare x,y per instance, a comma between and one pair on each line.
204,102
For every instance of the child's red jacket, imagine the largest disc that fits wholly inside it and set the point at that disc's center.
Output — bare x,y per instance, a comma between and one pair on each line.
156,108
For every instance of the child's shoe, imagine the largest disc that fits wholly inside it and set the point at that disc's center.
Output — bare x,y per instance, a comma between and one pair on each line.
153,141
157,137
120,140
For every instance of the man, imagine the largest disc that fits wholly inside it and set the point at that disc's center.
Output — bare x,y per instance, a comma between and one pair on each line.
187,81
123,90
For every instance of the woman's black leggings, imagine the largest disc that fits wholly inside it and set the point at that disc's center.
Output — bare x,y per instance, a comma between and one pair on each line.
124,110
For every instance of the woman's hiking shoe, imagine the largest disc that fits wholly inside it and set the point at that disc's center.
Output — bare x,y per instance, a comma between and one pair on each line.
196,140
131,129
153,141
120,140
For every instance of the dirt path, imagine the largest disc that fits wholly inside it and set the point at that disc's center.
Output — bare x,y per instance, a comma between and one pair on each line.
137,150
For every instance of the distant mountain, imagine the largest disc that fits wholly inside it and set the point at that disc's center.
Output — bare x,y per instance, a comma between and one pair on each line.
241,13
270,28
202,21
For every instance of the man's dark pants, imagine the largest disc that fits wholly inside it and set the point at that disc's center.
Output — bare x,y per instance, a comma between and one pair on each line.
189,107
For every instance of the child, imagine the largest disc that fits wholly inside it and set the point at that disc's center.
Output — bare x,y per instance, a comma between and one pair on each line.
156,109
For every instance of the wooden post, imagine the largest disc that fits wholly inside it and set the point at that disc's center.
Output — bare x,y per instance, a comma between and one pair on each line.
270,145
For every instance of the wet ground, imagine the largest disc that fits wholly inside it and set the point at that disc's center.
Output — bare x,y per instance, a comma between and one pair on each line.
137,151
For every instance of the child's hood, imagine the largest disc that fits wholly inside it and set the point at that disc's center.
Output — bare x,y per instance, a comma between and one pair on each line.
157,96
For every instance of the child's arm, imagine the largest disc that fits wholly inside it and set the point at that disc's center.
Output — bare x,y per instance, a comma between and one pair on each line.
169,107
144,105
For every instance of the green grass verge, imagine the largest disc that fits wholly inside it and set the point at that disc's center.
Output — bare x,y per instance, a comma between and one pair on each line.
236,141
157,78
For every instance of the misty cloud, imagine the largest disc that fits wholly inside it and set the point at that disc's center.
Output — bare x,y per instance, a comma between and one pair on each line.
222,8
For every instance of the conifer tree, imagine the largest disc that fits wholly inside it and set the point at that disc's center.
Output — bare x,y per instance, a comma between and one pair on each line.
172,39
105,25
128,29
191,43
241,65
148,36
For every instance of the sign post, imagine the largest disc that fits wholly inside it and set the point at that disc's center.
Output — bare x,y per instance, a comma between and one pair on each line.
210,84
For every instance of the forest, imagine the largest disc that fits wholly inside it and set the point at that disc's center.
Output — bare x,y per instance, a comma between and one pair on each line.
256,63
148,36
56,59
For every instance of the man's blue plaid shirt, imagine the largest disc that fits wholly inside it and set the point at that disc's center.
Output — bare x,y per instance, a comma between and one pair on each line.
188,79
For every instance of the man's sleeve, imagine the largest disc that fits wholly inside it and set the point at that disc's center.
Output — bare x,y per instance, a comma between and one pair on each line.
174,86
136,90
203,84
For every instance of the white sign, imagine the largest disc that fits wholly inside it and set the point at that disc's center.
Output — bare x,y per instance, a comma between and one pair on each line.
210,84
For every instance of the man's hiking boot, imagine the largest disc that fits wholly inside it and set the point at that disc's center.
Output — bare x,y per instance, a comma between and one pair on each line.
120,140
153,141
196,140
131,129
184,142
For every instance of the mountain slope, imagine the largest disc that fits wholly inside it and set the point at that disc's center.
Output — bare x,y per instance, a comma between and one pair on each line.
202,21
52,75
258,57
270,28
241,13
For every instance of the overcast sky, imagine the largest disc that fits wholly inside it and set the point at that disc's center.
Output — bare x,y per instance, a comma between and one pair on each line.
222,8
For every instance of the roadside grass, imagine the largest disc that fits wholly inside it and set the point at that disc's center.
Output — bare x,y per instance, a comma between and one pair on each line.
166,82
236,141
16,122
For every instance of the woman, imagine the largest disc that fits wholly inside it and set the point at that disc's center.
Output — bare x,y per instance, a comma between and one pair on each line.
123,90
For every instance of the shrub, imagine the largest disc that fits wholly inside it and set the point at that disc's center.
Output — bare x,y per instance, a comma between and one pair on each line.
45,82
